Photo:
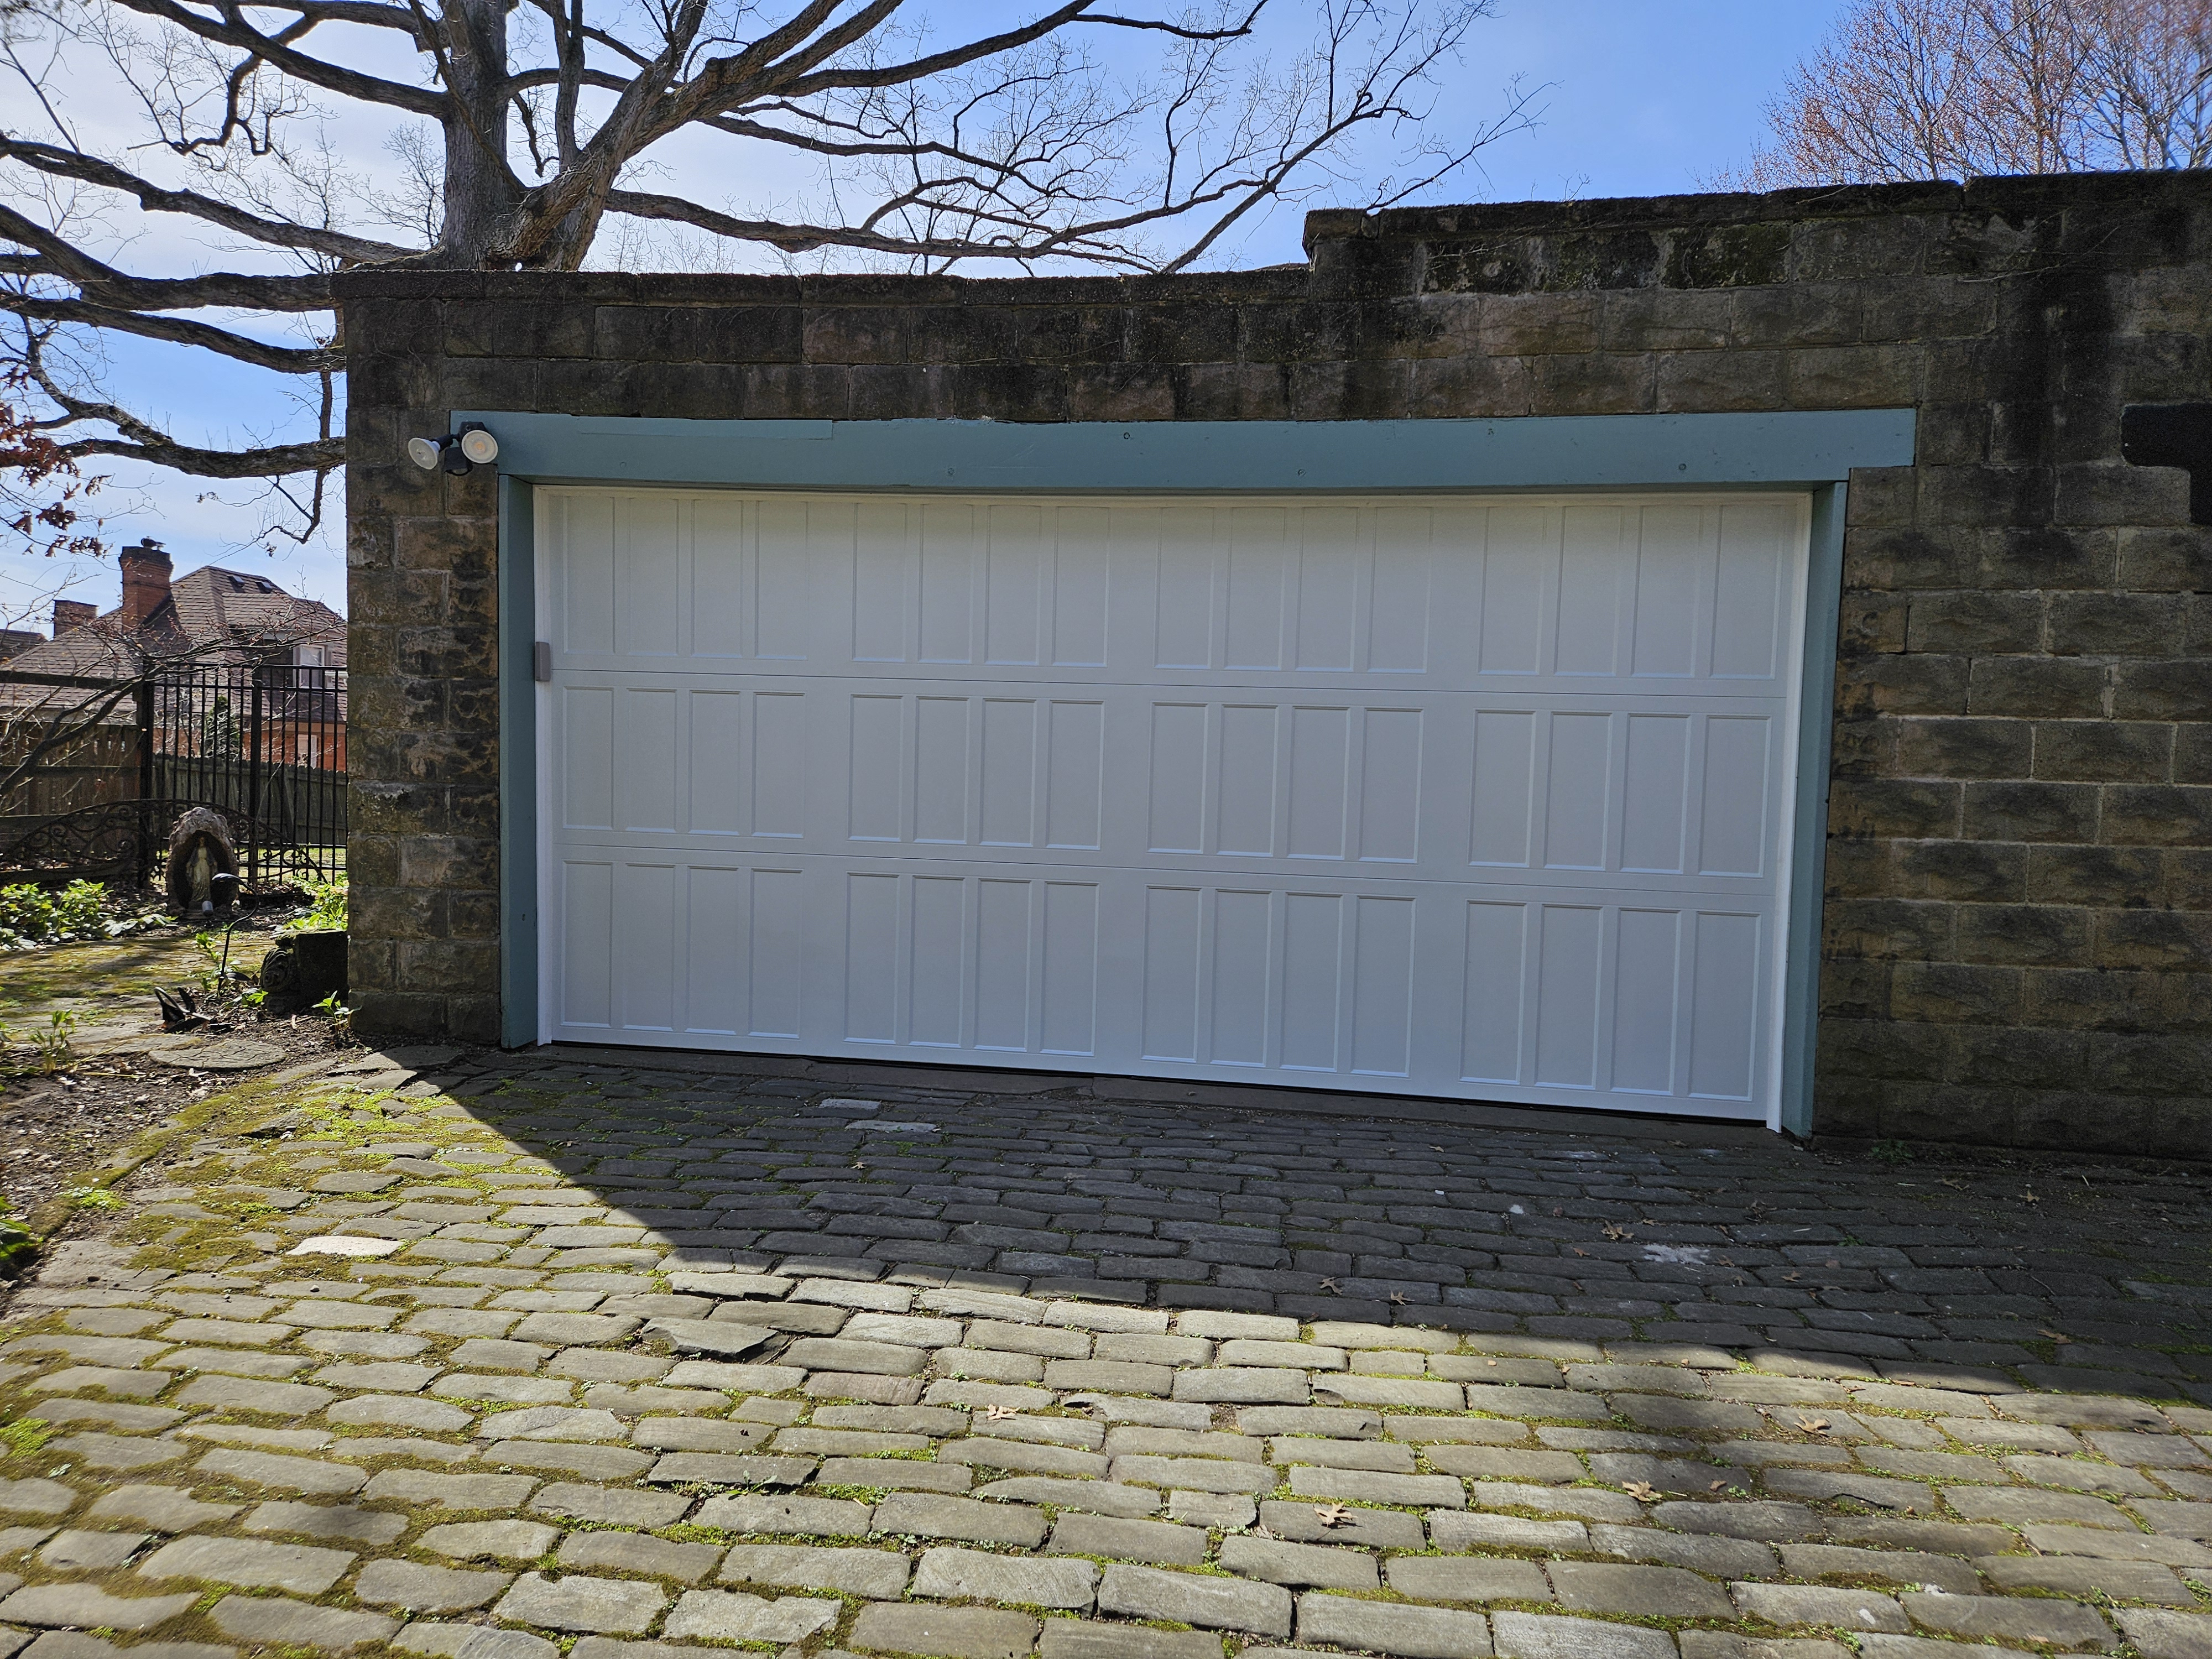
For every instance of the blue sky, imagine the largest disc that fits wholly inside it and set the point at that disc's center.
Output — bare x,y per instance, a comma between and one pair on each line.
1645,97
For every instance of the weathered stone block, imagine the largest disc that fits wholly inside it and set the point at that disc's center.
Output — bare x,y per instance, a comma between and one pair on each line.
943,1632
2023,812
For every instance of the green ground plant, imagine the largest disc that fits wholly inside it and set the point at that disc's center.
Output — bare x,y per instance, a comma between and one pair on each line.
16,1244
326,909
53,1044
31,916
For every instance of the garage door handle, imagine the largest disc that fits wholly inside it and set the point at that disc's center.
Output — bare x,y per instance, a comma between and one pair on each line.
541,661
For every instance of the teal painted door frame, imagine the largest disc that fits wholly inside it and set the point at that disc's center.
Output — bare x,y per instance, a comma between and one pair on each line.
1813,451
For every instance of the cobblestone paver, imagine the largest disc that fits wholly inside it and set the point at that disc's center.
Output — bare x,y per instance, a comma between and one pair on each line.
521,1358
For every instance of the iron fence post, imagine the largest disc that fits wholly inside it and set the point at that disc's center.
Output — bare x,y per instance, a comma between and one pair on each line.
253,783
145,713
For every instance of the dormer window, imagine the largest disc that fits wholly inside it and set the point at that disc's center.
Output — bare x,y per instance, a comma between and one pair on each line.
237,583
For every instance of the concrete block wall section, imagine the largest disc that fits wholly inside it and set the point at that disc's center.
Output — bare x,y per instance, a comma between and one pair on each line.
2018,923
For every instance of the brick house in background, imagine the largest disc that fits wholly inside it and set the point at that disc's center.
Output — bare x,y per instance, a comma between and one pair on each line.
223,619
211,614
1711,655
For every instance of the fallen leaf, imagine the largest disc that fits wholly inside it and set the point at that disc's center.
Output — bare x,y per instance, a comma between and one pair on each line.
1332,1286
2058,1336
997,1413
1397,1299
1261,1532
2028,1194
1792,1277
1613,1229
1490,1362
1716,1486
1333,1514
1814,1425
1436,1149
1578,1249
1641,1491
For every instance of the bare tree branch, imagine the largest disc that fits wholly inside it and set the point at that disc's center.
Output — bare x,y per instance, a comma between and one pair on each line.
1006,148
279,54
1958,88
91,170
178,330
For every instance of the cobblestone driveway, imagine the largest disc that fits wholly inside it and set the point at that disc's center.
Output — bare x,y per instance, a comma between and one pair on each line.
632,1362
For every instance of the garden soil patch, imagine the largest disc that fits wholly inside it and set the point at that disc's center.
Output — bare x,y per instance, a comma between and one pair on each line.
56,1127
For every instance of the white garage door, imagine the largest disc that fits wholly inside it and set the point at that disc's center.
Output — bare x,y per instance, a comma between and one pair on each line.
1473,797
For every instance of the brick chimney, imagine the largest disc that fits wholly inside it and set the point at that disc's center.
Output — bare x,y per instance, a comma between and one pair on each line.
72,613
145,581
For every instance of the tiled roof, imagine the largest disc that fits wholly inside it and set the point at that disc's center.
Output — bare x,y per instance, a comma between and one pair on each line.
219,615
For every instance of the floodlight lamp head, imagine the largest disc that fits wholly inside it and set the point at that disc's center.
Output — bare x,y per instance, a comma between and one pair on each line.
477,443
426,452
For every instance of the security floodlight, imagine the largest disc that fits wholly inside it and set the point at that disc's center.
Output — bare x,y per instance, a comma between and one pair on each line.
457,452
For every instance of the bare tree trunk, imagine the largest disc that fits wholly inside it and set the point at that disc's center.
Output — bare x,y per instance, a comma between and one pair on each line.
480,188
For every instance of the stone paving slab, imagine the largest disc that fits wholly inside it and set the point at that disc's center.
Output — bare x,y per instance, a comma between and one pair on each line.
662,1360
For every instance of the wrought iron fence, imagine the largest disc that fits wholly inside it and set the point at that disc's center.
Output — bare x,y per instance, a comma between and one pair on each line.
266,743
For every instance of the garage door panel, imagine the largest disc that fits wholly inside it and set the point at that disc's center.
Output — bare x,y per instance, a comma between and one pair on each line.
1750,608
876,774
645,946
1394,592
585,944
581,584
1070,1014
716,767
864,585
1169,989
1725,1035
1388,795
648,574
1577,791
585,746
872,957
1733,838
712,939
1316,818
1008,763
937,941
780,971
1646,1003
1385,972
779,544
1569,984
1673,585
645,757
1596,572
1340,985
1078,558
1492,1019
1075,779
1476,798
1655,794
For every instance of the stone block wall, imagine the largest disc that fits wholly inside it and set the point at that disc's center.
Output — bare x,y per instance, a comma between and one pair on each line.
2018,925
